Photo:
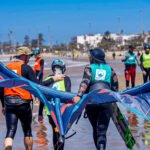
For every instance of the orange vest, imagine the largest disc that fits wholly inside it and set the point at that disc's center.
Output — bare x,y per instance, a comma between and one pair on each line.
37,65
16,67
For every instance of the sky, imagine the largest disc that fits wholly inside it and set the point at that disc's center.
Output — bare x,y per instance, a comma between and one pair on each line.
59,20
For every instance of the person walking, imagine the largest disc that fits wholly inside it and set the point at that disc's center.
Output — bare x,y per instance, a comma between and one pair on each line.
114,55
130,62
58,67
39,64
16,101
98,74
145,63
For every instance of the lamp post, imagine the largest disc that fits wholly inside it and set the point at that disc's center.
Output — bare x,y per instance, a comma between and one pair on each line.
10,38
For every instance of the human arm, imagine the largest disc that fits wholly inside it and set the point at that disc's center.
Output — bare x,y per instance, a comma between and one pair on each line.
28,73
40,116
87,75
67,83
125,58
41,67
2,99
141,65
114,82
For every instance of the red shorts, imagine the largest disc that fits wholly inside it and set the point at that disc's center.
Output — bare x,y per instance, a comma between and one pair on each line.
130,72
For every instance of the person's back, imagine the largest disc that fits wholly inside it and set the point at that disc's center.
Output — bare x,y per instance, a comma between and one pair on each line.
98,75
17,103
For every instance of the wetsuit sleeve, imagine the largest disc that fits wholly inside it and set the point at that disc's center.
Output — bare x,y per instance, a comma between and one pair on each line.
114,82
141,62
41,67
67,83
87,75
28,73
2,96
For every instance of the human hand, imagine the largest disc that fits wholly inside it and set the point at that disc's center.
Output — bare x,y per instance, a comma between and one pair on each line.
76,99
40,119
127,57
144,73
3,111
58,77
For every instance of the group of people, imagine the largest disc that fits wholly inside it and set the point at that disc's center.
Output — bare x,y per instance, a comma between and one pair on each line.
131,61
98,74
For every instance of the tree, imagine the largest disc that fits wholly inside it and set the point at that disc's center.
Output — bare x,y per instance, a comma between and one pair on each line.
27,40
107,42
40,40
34,43
72,46
63,46
80,47
136,41
107,35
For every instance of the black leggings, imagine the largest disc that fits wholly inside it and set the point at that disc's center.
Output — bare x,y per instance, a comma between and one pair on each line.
24,114
99,117
56,136
147,76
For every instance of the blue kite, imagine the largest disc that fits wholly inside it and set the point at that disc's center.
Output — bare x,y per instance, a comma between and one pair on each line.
137,99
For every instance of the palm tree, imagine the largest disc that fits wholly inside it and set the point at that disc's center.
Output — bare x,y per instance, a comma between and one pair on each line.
27,40
40,40
107,35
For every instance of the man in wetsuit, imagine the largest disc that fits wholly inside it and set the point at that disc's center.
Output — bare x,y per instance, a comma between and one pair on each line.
145,63
58,67
98,75
39,64
130,61
16,101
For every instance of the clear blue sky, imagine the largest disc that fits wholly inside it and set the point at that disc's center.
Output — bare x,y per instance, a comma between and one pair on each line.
59,20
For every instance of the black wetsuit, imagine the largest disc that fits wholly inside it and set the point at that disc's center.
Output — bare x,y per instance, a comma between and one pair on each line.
98,114
57,145
17,108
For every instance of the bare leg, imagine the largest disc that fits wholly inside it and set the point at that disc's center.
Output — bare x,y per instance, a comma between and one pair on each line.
28,142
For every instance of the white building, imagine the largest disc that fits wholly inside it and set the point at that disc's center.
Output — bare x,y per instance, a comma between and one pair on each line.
147,38
90,40
121,39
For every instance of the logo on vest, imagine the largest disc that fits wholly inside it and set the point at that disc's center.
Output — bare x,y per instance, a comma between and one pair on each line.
100,74
56,86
